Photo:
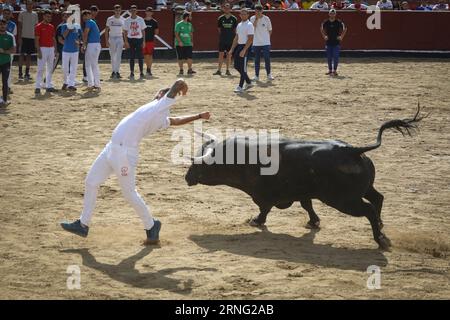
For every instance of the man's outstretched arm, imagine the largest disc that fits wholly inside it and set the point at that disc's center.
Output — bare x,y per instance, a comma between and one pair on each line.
178,121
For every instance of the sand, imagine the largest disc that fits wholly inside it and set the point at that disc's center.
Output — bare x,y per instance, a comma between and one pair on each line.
207,250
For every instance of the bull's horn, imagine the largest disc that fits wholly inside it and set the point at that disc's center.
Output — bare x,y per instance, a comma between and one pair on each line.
208,136
208,153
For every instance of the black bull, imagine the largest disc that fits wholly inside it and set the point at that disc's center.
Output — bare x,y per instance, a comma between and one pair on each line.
333,172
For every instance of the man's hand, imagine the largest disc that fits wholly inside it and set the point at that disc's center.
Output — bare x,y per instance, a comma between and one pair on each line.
127,45
107,43
242,53
205,115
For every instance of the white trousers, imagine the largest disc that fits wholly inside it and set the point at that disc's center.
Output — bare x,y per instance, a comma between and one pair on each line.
69,66
121,161
115,51
91,60
47,61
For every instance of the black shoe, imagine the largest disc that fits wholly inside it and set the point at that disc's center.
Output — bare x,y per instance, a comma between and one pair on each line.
118,76
76,228
52,90
217,73
72,88
149,74
228,73
181,72
190,71
37,91
131,77
28,77
64,87
20,76
113,75
141,76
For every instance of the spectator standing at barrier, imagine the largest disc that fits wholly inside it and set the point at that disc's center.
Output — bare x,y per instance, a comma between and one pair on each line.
115,39
441,6
184,36
226,24
291,5
6,50
151,31
7,5
338,5
385,5
424,6
357,5
241,45
333,32
405,6
192,6
92,48
11,27
161,4
45,42
261,41
72,35
135,34
320,5
27,21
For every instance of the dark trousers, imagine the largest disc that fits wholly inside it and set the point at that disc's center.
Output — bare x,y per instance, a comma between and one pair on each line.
5,69
333,56
136,53
265,52
240,64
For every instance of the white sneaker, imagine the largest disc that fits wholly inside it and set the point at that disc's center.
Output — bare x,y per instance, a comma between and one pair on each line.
238,89
270,77
248,86
255,79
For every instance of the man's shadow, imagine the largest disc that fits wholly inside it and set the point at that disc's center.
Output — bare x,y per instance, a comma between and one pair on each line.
126,272
278,246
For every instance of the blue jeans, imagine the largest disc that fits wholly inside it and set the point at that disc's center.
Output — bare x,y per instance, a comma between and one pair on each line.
265,50
333,56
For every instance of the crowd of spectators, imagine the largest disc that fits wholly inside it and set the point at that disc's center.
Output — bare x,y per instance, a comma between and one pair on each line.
210,5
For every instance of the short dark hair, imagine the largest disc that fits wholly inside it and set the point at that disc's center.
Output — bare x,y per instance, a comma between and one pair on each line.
46,11
258,7
52,2
3,21
186,14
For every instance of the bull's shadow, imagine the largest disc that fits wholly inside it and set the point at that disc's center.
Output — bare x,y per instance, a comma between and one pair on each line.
126,272
278,246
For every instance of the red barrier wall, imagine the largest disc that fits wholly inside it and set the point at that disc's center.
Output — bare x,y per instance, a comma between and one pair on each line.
408,30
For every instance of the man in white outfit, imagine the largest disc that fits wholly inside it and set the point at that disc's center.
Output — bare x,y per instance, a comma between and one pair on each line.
71,37
115,39
120,157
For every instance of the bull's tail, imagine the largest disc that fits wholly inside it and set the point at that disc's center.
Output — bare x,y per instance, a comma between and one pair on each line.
405,127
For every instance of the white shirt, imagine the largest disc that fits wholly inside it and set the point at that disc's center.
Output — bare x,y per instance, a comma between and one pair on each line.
385,5
319,6
147,119
134,27
115,25
262,31
243,30
293,6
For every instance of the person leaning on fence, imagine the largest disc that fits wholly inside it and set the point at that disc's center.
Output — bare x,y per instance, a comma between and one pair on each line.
333,32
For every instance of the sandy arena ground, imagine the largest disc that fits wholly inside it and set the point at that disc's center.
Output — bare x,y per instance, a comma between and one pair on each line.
207,250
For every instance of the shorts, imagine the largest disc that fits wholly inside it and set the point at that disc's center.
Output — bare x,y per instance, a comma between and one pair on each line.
149,48
225,46
184,53
27,46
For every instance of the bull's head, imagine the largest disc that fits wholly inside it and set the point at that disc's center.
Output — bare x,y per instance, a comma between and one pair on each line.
199,171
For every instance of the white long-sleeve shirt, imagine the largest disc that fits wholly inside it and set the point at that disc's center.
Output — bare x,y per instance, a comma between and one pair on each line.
146,120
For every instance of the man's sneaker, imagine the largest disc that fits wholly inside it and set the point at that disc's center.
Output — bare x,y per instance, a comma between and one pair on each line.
64,87
228,73
20,76
141,76
113,75
329,73
238,89
52,90
190,71
85,80
72,88
270,77
28,77
255,78
118,76
181,72
217,73
248,86
37,91
131,77
149,74
76,228
153,233
334,74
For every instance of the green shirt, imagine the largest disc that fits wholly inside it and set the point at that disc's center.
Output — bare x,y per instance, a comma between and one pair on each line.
6,43
184,29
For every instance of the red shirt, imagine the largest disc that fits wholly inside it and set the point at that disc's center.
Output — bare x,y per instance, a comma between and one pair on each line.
338,6
46,34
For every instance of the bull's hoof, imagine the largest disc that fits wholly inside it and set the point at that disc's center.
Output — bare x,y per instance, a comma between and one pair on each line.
384,243
313,225
254,223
